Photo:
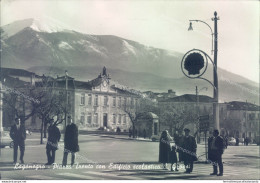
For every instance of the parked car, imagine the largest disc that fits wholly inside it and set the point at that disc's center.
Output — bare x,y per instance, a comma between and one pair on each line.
257,140
28,132
5,140
232,141
155,138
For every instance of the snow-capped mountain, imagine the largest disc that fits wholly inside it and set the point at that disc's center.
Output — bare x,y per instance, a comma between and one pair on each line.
50,47
43,24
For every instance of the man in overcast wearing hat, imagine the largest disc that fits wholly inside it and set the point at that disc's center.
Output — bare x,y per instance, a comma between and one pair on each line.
189,148
216,149
18,135
52,143
70,141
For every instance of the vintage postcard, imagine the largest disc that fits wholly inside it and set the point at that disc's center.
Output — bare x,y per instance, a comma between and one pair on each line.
129,90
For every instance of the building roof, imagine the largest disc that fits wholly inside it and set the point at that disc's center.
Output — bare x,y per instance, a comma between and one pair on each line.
237,105
189,98
62,84
82,85
125,91
154,116
95,82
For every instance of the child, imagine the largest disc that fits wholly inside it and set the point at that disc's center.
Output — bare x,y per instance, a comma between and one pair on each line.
173,158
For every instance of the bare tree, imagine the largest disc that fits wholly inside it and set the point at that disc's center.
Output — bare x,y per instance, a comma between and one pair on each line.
50,104
20,102
177,116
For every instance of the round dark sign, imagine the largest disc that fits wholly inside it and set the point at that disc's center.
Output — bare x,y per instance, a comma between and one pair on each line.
194,63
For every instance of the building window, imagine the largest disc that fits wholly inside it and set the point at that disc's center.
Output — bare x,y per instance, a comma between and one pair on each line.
96,118
60,93
82,119
119,102
114,101
252,116
89,118
124,119
124,103
114,119
136,102
132,102
119,119
82,99
105,101
89,99
96,100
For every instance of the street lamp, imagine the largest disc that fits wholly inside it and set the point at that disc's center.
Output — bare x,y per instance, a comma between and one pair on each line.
66,95
198,108
214,62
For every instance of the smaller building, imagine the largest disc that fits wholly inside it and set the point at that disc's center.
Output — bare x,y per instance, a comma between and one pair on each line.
147,125
160,96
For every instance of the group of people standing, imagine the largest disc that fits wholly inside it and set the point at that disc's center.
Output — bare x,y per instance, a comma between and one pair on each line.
185,147
18,135
184,150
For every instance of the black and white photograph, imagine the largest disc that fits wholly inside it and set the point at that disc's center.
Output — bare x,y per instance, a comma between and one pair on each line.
129,90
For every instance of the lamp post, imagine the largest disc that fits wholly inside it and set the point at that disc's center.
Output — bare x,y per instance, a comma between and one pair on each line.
198,108
1,114
215,51
66,95
1,109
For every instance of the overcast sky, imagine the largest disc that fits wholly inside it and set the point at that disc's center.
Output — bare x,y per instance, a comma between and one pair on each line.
158,23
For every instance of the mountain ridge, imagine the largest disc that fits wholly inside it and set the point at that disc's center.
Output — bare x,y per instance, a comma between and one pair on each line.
158,69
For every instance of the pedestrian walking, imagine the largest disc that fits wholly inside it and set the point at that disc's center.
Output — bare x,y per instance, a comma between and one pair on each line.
52,143
216,149
237,141
173,158
226,141
18,135
144,133
70,142
164,148
130,132
188,148
246,141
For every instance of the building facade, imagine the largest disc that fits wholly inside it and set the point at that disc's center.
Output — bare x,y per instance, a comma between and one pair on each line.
241,119
98,104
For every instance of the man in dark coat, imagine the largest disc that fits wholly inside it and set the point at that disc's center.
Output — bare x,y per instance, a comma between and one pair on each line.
70,142
18,135
52,143
237,141
189,148
216,149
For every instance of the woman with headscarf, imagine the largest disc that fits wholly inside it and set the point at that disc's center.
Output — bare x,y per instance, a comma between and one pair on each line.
164,149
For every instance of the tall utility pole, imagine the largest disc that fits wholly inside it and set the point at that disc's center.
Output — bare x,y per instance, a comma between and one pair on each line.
215,78
198,113
1,109
66,95
1,112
